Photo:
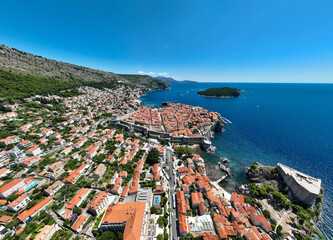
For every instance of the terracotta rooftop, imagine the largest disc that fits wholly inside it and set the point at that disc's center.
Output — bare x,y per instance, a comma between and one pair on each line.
79,222
9,185
34,209
131,213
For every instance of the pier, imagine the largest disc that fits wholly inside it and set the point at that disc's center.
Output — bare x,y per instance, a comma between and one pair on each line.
220,190
220,179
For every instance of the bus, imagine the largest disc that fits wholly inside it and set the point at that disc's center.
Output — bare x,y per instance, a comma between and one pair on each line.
174,200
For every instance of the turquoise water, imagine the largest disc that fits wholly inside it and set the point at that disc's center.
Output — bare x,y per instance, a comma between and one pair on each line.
157,200
271,123
31,186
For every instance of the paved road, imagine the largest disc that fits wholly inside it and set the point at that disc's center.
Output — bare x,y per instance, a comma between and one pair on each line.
172,192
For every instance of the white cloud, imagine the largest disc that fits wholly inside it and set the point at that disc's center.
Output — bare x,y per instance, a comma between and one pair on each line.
164,74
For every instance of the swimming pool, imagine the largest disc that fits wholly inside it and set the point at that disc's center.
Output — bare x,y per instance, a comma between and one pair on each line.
31,186
157,200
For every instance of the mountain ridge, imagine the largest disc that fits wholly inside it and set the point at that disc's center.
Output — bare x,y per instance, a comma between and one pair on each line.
19,62
169,80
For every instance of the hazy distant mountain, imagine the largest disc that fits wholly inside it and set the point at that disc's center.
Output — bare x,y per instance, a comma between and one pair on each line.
15,61
169,80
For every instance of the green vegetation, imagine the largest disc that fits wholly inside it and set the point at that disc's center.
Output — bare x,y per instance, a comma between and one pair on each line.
267,214
66,192
154,210
312,229
62,234
162,221
109,235
282,200
98,220
184,150
151,184
220,92
252,201
144,80
254,168
20,86
88,199
91,218
153,156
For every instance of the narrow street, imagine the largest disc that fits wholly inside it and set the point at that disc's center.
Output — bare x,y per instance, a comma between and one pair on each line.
172,193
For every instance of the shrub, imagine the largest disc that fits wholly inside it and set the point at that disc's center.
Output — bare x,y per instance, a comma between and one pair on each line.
267,214
279,230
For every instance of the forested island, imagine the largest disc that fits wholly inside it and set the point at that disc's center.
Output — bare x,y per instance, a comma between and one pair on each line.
222,92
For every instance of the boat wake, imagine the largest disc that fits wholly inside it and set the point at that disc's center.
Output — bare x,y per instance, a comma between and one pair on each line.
227,120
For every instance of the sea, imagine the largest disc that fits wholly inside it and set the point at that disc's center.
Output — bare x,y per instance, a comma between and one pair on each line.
270,123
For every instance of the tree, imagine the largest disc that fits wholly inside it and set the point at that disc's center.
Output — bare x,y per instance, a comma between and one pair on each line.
162,221
267,214
279,230
109,235
184,150
153,210
106,235
164,142
76,210
153,156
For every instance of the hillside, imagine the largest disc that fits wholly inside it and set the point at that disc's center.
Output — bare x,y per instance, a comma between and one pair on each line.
15,85
166,79
144,80
222,92
16,61
169,80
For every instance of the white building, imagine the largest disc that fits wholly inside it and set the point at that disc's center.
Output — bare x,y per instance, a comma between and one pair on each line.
19,203
34,151
51,190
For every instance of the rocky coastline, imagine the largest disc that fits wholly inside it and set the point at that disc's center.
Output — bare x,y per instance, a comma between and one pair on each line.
268,187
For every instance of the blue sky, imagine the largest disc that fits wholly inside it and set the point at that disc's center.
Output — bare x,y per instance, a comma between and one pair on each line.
213,41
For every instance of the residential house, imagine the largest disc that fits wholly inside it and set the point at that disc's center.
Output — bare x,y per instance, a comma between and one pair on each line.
13,186
98,204
19,203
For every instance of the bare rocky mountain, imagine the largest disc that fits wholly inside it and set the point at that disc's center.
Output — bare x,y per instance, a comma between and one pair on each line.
17,61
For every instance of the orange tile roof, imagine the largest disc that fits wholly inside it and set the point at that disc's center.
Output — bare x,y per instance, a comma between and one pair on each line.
123,194
237,198
130,213
2,171
9,185
263,220
5,218
79,222
181,202
20,230
182,223
20,192
28,179
182,169
97,200
209,236
76,199
17,201
34,209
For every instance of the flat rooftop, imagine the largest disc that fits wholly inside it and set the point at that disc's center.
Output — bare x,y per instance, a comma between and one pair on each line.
202,223
310,183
